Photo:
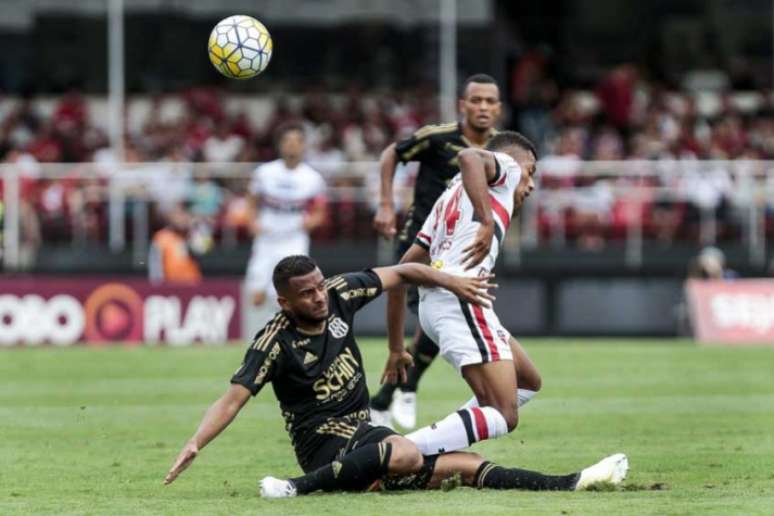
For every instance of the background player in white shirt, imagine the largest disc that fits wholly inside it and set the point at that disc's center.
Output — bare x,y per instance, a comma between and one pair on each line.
289,203
462,236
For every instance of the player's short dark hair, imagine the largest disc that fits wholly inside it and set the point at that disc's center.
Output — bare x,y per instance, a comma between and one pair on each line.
505,139
479,78
290,267
287,127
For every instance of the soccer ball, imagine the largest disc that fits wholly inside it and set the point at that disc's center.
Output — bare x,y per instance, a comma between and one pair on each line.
240,47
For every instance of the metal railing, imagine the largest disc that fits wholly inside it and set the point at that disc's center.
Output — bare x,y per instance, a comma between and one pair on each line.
586,204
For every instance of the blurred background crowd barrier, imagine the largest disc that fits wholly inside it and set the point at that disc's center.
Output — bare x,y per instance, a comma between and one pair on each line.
654,125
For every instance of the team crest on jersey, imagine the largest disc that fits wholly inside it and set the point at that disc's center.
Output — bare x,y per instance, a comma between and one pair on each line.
437,264
338,328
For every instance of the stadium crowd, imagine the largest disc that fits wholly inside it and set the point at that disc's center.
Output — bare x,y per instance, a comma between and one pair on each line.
623,118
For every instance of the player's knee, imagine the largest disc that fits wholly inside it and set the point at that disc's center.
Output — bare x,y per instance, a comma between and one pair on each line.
537,382
512,420
405,457
510,413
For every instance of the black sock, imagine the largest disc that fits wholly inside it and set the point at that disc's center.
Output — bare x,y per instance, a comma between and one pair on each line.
383,398
492,476
354,472
424,352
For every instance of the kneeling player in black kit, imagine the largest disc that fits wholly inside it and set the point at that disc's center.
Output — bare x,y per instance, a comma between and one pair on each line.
309,354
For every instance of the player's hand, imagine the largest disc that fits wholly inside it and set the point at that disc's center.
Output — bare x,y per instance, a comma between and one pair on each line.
476,252
474,290
397,365
186,457
384,221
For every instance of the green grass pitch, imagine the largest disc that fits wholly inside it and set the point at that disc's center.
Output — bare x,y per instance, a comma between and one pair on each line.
94,431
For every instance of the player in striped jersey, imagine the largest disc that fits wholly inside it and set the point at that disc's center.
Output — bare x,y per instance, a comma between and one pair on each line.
435,148
463,235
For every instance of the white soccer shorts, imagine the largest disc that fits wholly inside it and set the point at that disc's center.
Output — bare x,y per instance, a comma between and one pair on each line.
267,252
466,334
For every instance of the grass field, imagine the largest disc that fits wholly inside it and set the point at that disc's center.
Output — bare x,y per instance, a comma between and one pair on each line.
94,432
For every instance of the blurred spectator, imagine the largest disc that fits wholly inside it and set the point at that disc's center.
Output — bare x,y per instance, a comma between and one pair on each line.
616,93
171,258
533,94
711,264
223,146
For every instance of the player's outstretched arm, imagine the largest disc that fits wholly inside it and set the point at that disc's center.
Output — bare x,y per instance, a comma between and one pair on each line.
384,220
473,290
215,420
399,360
478,169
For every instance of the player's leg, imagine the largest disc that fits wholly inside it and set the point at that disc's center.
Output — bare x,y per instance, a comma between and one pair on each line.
259,270
371,453
494,385
475,471
473,340
529,380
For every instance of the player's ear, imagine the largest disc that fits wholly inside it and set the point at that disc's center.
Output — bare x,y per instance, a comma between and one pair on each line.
461,105
283,302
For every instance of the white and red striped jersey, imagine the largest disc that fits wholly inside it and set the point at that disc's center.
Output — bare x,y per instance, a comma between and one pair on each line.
285,194
451,226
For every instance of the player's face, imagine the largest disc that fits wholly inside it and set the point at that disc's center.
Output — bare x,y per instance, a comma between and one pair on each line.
481,106
291,145
306,297
527,182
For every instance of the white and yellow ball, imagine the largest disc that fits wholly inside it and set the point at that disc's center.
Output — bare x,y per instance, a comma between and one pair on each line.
240,47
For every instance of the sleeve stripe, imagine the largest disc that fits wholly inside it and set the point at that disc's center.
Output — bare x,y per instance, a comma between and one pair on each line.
422,244
279,324
498,174
413,151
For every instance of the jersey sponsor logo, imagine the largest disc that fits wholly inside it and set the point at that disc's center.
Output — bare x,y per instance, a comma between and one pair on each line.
358,292
437,264
338,328
309,358
342,372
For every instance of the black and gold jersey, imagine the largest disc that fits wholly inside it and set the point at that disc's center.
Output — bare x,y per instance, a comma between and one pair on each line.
318,380
435,147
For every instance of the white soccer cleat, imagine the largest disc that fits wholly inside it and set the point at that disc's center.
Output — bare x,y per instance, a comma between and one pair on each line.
404,409
381,417
275,488
610,470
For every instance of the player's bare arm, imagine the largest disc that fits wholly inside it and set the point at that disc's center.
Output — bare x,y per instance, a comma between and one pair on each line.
399,360
478,169
384,220
315,216
215,420
254,206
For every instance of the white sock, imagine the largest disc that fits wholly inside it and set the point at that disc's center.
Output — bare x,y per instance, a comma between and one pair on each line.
459,430
524,396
